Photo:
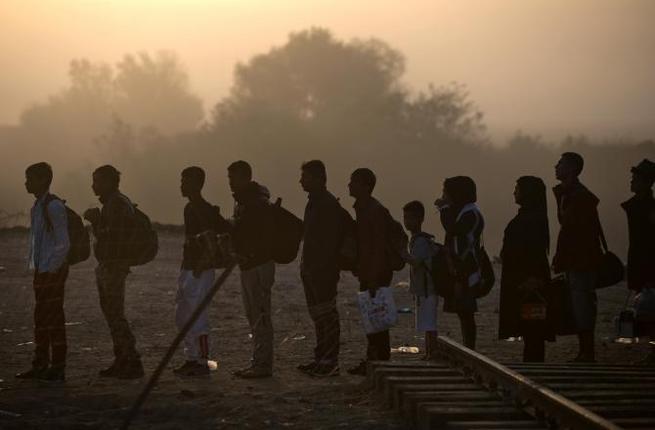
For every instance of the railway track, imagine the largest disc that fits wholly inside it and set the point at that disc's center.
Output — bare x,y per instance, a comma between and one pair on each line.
466,390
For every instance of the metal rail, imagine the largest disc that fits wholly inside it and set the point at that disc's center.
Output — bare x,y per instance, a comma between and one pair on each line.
547,403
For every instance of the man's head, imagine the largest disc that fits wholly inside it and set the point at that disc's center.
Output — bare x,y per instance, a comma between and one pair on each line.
105,180
38,178
313,176
362,183
569,167
643,177
239,175
192,181
413,216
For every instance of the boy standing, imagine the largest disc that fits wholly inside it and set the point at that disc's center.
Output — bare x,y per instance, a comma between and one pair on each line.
201,220
421,250
49,245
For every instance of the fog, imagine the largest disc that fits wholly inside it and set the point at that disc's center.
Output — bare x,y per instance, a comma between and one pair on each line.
417,91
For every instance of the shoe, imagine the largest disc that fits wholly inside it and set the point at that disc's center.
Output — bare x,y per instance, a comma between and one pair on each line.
307,368
110,371
325,370
53,374
359,370
32,373
253,373
130,370
192,368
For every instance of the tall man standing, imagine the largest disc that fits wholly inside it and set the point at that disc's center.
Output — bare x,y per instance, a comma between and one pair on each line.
49,245
113,226
251,235
319,267
374,268
640,210
578,248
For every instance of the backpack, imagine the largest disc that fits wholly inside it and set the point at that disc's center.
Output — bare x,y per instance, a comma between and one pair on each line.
286,235
396,241
143,244
78,235
347,258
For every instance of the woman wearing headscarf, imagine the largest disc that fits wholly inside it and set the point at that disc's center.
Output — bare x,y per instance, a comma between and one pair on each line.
463,223
526,270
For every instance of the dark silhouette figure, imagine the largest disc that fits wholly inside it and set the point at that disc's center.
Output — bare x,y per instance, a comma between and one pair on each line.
463,222
579,250
640,210
526,270
113,226
374,268
252,241
202,222
49,245
319,268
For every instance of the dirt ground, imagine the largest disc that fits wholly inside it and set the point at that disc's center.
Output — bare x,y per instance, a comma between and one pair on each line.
288,400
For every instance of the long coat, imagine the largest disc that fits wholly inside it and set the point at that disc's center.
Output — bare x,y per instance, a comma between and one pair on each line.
524,255
641,253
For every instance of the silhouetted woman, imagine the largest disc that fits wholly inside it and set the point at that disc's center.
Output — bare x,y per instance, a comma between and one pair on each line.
526,270
462,220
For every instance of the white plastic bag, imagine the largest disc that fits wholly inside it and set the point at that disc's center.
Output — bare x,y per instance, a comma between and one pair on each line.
378,313
645,305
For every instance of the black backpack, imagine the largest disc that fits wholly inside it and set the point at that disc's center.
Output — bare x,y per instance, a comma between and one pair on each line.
396,241
78,235
347,258
143,243
286,235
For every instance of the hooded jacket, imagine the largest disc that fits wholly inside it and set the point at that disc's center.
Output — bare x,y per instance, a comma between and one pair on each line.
578,242
641,252
253,225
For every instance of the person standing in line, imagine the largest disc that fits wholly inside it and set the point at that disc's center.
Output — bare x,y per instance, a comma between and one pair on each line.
319,267
202,222
49,245
463,222
113,226
526,270
374,268
640,210
251,235
579,251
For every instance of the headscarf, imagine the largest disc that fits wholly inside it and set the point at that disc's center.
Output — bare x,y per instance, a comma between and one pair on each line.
532,193
461,190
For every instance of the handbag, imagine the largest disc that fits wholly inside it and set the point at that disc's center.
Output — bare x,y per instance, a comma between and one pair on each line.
378,312
611,270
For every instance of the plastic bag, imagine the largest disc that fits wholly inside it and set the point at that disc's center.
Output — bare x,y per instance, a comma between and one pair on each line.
379,312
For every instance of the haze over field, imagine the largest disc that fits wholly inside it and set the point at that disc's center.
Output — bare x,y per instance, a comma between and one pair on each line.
418,91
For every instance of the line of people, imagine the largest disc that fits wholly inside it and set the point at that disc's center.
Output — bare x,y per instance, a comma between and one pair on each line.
333,242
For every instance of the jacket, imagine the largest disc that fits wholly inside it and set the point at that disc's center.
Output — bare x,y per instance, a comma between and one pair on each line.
578,242
641,251
114,230
373,225
49,244
323,232
253,226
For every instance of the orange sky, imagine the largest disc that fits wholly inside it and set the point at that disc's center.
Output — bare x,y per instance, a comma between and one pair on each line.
544,66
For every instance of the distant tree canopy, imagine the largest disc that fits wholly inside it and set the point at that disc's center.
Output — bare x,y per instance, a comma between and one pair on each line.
320,89
144,91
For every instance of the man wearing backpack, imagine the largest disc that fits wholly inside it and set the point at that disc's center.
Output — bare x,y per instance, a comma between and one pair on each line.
113,227
319,268
251,235
49,245
374,267
202,221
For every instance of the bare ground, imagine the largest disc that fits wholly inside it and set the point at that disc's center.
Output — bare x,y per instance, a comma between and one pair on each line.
288,400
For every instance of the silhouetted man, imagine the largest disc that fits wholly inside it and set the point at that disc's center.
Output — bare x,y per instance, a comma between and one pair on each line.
113,226
202,221
578,248
374,268
49,245
251,239
319,267
640,210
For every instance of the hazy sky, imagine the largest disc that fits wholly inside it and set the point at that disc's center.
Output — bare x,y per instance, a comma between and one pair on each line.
543,66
